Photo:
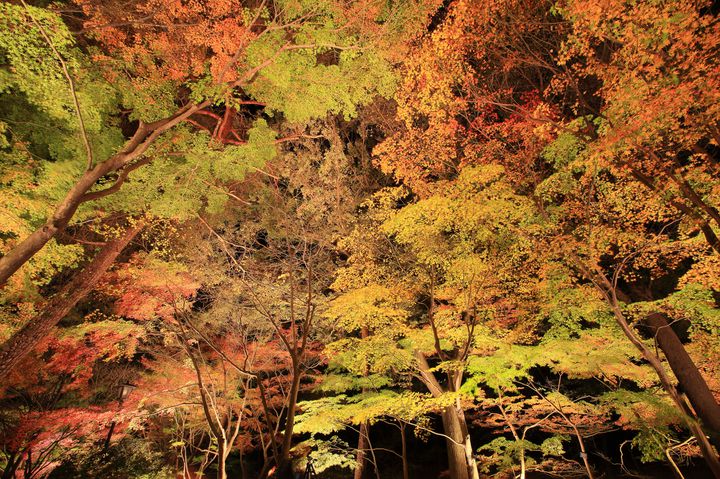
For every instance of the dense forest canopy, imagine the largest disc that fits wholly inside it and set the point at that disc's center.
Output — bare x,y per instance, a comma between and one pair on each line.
369,238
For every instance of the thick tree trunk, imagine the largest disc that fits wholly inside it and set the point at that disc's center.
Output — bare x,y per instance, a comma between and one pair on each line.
24,340
708,452
460,454
613,297
455,441
691,381
361,456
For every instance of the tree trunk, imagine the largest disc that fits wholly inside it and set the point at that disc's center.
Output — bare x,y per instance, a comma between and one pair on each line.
79,193
13,462
403,444
691,381
243,473
455,441
612,296
469,453
708,452
363,440
25,340
222,456
285,468
459,449
361,456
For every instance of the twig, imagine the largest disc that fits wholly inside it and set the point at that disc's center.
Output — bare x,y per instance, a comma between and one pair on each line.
66,72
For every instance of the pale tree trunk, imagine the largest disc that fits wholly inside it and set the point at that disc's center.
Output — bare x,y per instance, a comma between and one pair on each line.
455,441
208,404
25,340
363,440
222,457
461,461
467,443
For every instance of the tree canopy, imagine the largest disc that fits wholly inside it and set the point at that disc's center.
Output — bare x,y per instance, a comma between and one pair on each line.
414,238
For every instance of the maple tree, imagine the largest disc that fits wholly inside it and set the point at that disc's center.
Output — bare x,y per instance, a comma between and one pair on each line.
537,121
261,238
251,49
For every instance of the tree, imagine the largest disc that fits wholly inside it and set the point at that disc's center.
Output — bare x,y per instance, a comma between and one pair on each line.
24,340
554,97
491,224
274,55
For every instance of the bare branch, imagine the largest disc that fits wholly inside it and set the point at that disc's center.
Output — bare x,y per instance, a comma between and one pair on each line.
71,84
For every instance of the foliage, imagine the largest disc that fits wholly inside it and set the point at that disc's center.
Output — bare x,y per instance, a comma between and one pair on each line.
448,218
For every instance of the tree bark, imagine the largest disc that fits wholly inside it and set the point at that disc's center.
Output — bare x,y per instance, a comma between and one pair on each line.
80,192
455,444
222,457
25,340
467,444
363,440
691,381
403,445
361,456
459,449
285,467
612,294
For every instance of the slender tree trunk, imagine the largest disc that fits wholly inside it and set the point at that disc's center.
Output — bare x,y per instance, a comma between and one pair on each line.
24,340
374,459
363,440
691,381
516,436
361,456
403,444
285,468
222,457
243,473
